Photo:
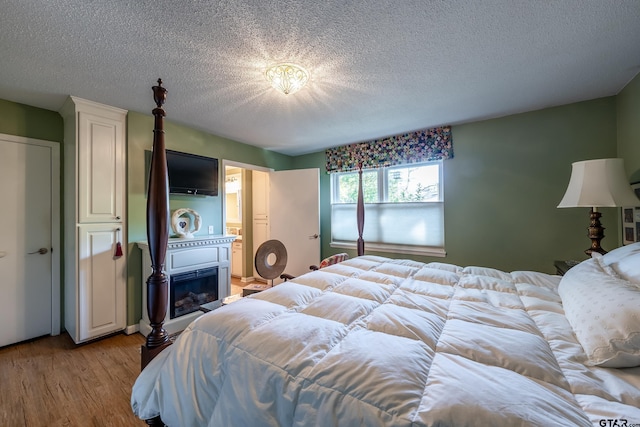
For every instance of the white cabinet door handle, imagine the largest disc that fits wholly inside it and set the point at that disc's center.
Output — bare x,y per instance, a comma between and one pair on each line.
3,254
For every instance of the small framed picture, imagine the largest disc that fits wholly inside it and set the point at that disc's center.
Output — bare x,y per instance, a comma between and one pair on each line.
631,220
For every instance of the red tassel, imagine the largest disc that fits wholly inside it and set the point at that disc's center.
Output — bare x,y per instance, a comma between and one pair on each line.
118,253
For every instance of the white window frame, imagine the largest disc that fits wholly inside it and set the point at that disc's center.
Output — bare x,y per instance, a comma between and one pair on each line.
429,217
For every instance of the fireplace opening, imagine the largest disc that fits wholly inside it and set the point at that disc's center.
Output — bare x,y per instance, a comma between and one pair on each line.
188,291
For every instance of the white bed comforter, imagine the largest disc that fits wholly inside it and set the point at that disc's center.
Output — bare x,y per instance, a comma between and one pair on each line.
380,342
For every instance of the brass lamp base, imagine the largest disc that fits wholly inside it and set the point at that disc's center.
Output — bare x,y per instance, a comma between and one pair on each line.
596,233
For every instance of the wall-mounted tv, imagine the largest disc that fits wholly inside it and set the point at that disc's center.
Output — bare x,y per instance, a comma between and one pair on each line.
190,173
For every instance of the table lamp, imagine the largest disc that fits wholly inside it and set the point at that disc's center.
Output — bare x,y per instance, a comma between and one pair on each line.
594,184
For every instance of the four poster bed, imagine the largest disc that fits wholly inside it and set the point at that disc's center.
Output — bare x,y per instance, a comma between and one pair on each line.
373,341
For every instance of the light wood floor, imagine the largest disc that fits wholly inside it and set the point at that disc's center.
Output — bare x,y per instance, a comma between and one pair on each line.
52,382
237,285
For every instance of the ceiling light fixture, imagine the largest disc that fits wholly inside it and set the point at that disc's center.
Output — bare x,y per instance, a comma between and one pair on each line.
287,78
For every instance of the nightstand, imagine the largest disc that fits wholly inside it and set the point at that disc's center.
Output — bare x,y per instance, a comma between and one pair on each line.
563,266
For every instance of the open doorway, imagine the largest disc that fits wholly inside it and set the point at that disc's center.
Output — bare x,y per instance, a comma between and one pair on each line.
238,209
261,204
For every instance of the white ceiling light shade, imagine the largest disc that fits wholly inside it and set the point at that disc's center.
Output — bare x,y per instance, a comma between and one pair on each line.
287,78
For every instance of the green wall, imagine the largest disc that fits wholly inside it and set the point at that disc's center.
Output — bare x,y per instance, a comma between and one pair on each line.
628,115
179,138
503,186
501,189
30,122
508,176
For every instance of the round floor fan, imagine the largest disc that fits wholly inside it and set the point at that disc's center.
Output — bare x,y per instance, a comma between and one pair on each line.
271,259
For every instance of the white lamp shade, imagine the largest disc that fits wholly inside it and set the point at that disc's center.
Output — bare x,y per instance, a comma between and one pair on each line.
598,183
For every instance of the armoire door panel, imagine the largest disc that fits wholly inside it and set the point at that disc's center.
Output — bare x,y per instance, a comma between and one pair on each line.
101,162
101,278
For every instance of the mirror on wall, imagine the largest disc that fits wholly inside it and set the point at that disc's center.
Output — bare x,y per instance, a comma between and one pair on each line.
233,194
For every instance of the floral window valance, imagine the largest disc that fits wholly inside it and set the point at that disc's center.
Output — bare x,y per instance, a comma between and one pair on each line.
414,147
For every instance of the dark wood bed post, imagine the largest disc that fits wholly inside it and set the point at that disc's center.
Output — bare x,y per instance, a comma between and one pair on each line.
360,212
157,234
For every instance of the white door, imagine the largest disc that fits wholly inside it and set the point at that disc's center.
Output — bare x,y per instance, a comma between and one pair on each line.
294,206
28,175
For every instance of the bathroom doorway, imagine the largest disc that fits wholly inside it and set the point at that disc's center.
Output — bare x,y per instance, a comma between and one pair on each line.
238,208
262,204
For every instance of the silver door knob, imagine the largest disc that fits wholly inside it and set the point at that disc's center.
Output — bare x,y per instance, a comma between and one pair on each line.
315,236
40,251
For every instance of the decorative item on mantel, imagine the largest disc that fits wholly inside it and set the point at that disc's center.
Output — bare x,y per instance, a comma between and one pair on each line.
181,221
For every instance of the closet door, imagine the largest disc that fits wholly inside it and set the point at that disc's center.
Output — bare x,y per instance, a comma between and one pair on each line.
29,243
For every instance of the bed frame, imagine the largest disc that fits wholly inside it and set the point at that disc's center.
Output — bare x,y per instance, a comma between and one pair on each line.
158,236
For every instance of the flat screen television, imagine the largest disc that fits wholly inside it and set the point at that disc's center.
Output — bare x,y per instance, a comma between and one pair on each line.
190,173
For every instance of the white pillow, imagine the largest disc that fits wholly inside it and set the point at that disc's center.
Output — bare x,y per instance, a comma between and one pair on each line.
625,260
604,312
618,253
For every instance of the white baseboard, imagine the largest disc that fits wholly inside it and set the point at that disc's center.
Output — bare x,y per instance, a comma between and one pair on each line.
132,329
247,279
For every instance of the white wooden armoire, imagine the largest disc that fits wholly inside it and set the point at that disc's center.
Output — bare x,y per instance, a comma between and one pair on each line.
94,219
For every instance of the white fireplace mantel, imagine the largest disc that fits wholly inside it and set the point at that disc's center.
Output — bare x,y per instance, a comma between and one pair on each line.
184,255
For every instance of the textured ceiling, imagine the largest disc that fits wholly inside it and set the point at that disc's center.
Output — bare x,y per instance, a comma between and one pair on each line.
378,68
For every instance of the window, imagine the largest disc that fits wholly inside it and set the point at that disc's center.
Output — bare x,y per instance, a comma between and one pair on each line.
404,209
